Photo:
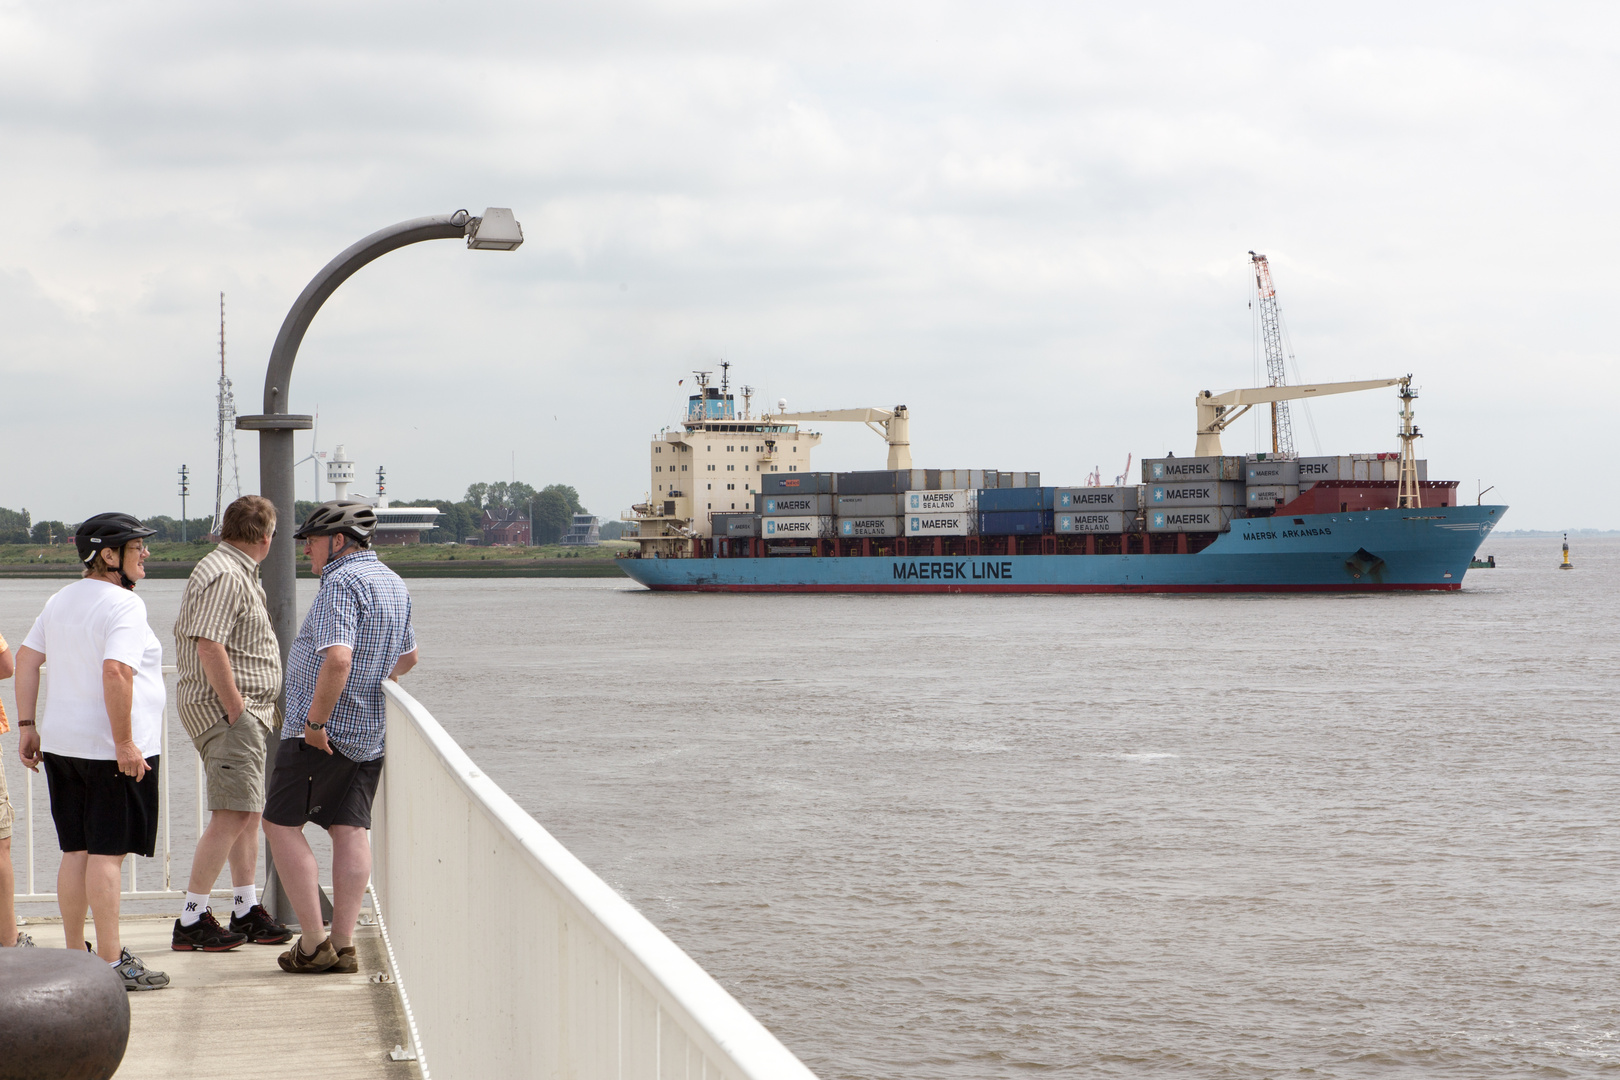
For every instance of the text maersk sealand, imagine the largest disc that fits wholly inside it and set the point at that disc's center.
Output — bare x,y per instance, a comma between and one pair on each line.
734,507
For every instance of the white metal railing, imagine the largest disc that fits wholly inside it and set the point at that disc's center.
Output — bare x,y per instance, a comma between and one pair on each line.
163,855
581,983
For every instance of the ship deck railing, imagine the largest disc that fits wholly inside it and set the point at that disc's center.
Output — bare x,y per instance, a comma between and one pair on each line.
513,958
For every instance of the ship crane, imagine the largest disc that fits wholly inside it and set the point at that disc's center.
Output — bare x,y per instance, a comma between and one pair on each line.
1282,430
894,425
1217,411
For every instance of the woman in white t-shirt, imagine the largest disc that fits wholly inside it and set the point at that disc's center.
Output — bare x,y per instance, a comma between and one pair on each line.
100,740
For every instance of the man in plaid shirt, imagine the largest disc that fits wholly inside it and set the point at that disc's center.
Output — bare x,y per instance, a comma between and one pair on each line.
357,633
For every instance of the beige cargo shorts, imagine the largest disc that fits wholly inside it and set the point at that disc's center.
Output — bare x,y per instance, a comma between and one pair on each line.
8,816
233,762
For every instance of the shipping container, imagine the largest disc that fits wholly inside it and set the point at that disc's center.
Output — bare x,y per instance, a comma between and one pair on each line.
1014,522
868,526
803,483
932,523
867,505
1268,495
798,528
1161,470
1001,500
1094,498
876,482
1272,471
1191,519
1196,493
939,502
1026,479
1094,521
1312,469
931,480
735,525
798,505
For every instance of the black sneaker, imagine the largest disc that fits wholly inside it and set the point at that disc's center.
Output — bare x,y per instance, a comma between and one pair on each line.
205,935
135,974
260,927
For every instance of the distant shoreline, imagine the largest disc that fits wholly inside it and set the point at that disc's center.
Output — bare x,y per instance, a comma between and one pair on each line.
173,560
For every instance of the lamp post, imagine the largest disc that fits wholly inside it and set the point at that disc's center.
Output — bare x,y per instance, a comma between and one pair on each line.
497,230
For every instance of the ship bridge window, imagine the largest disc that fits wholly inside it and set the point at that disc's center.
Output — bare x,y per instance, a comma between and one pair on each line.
683,468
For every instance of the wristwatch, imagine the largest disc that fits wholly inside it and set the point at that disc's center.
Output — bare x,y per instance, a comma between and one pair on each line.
313,726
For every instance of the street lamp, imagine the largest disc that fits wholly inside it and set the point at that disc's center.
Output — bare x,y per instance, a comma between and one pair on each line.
497,230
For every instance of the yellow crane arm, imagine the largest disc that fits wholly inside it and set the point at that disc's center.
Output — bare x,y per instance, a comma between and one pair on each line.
1216,411
894,425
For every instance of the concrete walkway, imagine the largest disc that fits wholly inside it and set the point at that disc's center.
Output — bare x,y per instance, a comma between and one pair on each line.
237,1014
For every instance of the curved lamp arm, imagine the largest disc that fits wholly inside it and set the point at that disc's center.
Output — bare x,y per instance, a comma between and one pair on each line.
278,375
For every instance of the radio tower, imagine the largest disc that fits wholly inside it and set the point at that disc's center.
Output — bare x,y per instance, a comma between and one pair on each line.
225,436
1282,430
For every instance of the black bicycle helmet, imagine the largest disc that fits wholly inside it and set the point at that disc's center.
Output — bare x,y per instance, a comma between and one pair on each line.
353,518
109,532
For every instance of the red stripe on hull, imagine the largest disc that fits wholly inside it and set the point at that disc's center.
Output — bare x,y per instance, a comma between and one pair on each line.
831,588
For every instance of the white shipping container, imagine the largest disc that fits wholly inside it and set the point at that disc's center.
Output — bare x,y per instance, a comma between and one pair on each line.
957,501
1094,498
1166,470
1269,495
1094,521
797,528
1190,519
1312,469
1196,493
868,526
939,524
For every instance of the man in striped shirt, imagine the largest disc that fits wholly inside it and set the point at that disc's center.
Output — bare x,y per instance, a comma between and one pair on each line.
230,682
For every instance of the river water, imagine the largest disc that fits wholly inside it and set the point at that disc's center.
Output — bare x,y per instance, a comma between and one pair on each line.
953,837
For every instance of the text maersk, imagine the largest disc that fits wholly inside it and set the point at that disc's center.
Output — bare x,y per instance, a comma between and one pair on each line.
1288,534
952,570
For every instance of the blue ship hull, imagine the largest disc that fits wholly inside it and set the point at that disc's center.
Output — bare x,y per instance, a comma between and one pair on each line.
1365,551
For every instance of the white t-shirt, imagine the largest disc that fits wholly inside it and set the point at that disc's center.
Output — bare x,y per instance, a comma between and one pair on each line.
82,625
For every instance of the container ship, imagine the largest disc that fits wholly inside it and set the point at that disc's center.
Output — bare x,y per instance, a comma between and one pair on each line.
734,506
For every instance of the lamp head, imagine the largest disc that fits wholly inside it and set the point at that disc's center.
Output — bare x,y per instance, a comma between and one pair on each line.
497,230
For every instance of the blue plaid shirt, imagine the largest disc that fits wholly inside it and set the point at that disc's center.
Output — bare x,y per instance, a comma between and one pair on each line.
364,605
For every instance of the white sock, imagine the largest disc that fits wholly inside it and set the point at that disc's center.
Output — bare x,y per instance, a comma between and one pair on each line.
196,904
243,897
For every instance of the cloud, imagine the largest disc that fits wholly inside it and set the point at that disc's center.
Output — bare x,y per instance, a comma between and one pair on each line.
1029,224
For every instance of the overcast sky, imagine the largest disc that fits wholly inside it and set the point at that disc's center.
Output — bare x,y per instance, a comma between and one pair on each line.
1027,222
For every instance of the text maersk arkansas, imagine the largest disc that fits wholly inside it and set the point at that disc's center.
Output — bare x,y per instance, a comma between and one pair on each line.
733,506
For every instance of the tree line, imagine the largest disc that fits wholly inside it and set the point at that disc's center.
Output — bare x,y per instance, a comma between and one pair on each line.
553,507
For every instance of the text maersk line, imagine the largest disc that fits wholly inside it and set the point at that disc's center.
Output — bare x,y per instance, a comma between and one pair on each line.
953,570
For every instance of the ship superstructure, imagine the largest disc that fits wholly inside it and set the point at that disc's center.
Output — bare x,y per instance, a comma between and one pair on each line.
713,462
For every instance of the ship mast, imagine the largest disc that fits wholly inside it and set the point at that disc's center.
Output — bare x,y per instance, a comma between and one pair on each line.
225,433
1282,430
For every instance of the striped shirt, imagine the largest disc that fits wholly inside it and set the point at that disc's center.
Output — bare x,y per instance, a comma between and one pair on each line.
361,604
224,602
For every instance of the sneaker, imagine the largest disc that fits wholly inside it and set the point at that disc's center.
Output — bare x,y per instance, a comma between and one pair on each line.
136,975
23,941
297,961
205,935
260,928
348,963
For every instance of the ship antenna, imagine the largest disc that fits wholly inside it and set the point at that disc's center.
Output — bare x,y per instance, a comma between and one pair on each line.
748,396
702,378
725,375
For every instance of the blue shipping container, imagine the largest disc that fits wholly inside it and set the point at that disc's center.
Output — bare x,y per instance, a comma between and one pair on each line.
1015,522
1000,500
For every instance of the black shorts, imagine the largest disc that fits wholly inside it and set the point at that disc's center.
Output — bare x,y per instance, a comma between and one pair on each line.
100,810
328,789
